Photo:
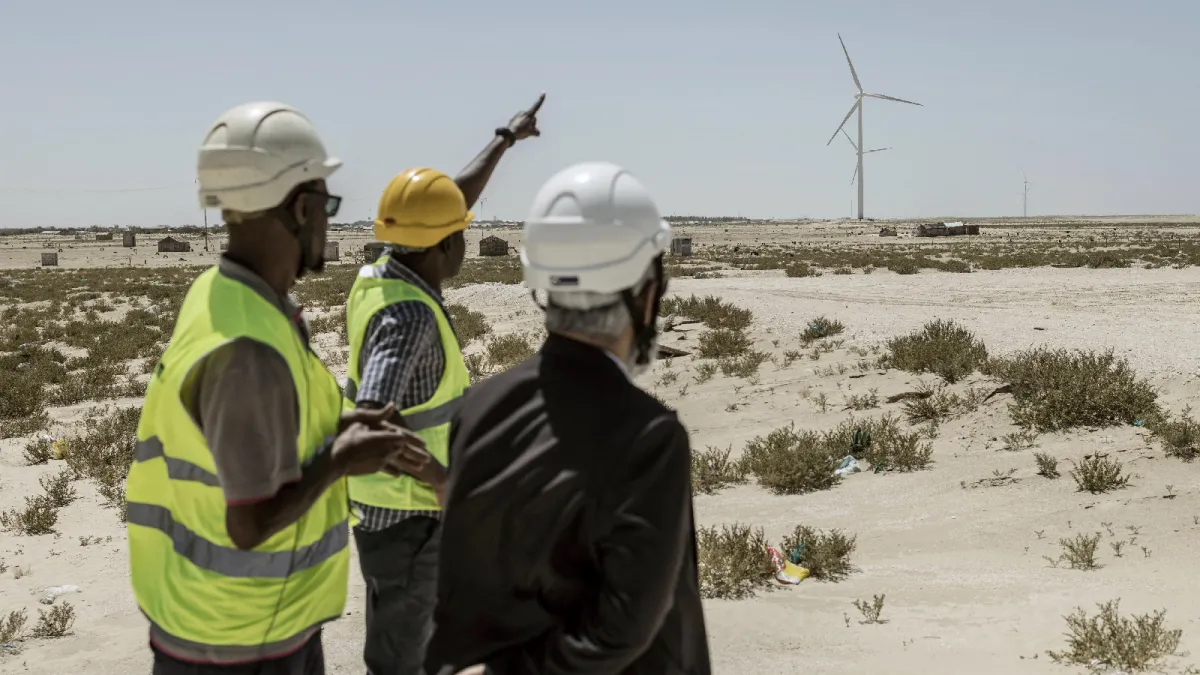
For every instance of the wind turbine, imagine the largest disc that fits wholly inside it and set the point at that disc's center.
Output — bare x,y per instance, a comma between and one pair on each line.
858,106
865,152
1025,203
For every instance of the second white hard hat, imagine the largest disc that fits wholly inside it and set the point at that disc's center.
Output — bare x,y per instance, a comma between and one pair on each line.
255,154
593,227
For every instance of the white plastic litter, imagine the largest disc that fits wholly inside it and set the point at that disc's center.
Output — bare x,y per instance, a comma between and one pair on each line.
848,466
51,594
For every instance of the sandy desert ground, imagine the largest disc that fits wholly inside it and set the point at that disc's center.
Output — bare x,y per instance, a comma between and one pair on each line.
960,548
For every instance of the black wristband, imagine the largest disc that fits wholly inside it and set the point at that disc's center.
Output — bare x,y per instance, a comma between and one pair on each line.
507,134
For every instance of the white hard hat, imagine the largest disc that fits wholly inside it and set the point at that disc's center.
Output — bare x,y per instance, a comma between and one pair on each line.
593,227
254,155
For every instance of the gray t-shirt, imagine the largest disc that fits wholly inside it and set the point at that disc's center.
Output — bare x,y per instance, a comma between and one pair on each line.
244,401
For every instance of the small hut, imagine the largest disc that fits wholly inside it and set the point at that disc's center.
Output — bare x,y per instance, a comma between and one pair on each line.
173,245
372,251
887,232
931,230
49,259
104,236
332,251
492,245
681,246
129,240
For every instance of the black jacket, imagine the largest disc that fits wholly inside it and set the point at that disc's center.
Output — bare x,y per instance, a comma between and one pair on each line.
568,545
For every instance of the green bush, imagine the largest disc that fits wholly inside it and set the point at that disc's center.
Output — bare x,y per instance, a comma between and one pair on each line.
732,561
940,347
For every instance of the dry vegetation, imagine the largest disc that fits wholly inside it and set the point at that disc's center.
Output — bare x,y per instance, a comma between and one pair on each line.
89,339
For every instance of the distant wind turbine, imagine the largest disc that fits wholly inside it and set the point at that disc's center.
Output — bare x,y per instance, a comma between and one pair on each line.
865,152
858,106
1025,195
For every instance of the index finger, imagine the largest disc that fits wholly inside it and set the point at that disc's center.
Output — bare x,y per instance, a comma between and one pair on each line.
537,105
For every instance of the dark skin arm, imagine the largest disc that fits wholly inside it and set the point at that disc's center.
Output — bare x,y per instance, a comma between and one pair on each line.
475,176
249,525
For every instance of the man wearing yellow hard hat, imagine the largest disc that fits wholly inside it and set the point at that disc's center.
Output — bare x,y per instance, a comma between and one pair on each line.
403,351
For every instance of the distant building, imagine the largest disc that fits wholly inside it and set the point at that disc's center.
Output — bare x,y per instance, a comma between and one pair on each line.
681,246
332,251
372,251
173,245
129,240
104,236
955,229
49,259
492,245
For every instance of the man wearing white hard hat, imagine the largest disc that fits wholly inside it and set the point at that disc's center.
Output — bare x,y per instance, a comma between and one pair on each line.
568,544
237,503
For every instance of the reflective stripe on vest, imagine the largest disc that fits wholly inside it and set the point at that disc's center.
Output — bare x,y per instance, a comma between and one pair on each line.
431,419
202,594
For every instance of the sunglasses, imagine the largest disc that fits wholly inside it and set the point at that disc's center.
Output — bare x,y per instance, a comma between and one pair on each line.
332,202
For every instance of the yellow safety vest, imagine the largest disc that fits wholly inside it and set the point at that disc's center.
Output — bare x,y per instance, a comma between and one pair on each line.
189,578
431,419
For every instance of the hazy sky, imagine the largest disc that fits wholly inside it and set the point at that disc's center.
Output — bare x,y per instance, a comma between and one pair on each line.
720,108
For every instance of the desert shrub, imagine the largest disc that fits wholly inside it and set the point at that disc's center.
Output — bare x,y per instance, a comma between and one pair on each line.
864,401
21,397
800,269
505,351
1047,465
468,325
882,442
56,623
732,561
332,322
826,555
1180,437
821,327
789,462
12,628
935,405
744,365
38,517
1060,389
105,453
1131,644
722,342
1080,552
940,347
905,266
1098,473
58,488
712,470
38,451
710,310
24,426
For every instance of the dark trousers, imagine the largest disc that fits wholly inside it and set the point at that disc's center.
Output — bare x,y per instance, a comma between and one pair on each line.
399,565
308,660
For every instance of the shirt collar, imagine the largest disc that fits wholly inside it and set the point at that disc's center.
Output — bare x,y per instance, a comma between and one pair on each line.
395,269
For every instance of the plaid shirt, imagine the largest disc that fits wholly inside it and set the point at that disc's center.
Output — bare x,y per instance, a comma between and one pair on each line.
402,361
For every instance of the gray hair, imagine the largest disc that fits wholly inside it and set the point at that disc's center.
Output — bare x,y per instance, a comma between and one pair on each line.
601,315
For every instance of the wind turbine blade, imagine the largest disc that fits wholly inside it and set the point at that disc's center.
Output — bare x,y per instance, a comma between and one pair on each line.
892,98
848,136
851,64
876,150
855,175
852,109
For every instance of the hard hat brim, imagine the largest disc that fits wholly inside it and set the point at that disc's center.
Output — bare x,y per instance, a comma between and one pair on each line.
418,236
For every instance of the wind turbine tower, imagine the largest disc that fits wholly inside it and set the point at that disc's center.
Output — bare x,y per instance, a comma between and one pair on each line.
858,107
1025,203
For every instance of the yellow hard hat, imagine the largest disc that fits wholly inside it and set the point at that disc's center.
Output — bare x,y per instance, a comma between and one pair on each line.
419,208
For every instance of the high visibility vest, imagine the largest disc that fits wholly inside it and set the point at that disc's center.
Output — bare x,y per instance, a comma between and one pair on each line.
430,419
188,577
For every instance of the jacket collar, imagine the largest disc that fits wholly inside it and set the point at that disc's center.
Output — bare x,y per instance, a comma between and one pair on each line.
560,348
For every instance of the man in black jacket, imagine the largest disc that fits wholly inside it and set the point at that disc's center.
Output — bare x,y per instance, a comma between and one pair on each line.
568,544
